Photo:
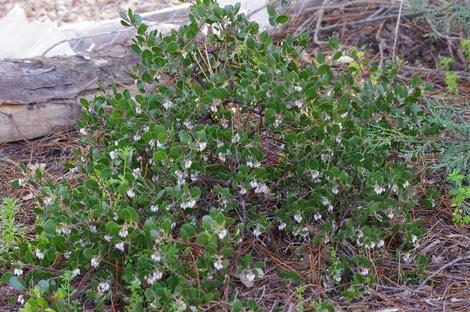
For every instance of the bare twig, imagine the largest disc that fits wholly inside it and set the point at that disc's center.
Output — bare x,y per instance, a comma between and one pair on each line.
381,44
319,20
368,21
395,41
242,207
440,270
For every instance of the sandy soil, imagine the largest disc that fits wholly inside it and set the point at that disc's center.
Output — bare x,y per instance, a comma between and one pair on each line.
68,11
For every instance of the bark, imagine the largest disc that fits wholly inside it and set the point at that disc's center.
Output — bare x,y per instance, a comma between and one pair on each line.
41,95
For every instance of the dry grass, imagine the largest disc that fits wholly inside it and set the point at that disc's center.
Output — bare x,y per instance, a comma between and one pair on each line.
53,151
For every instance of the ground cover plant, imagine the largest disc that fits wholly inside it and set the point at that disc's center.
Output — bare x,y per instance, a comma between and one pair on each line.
229,138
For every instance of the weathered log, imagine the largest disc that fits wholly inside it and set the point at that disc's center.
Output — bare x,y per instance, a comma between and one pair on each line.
40,95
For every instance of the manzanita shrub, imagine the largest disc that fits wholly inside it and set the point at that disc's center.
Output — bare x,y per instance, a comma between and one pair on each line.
229,136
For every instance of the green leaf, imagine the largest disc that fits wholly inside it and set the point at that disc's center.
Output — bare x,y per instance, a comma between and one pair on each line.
5,278
271,10
282,19
204,238
187,231
196,193
333,42
28,257
16,283
272,15
49,227
123,15
150,294
185,137
142,29
160,155
207,222
237,306
422,262
129,214
220,93
44,285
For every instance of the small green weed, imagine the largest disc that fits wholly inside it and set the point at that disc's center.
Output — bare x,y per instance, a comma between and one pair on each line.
460,193
465,43
8,228
451,77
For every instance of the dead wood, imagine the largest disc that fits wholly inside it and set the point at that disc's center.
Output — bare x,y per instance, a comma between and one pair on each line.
40,95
